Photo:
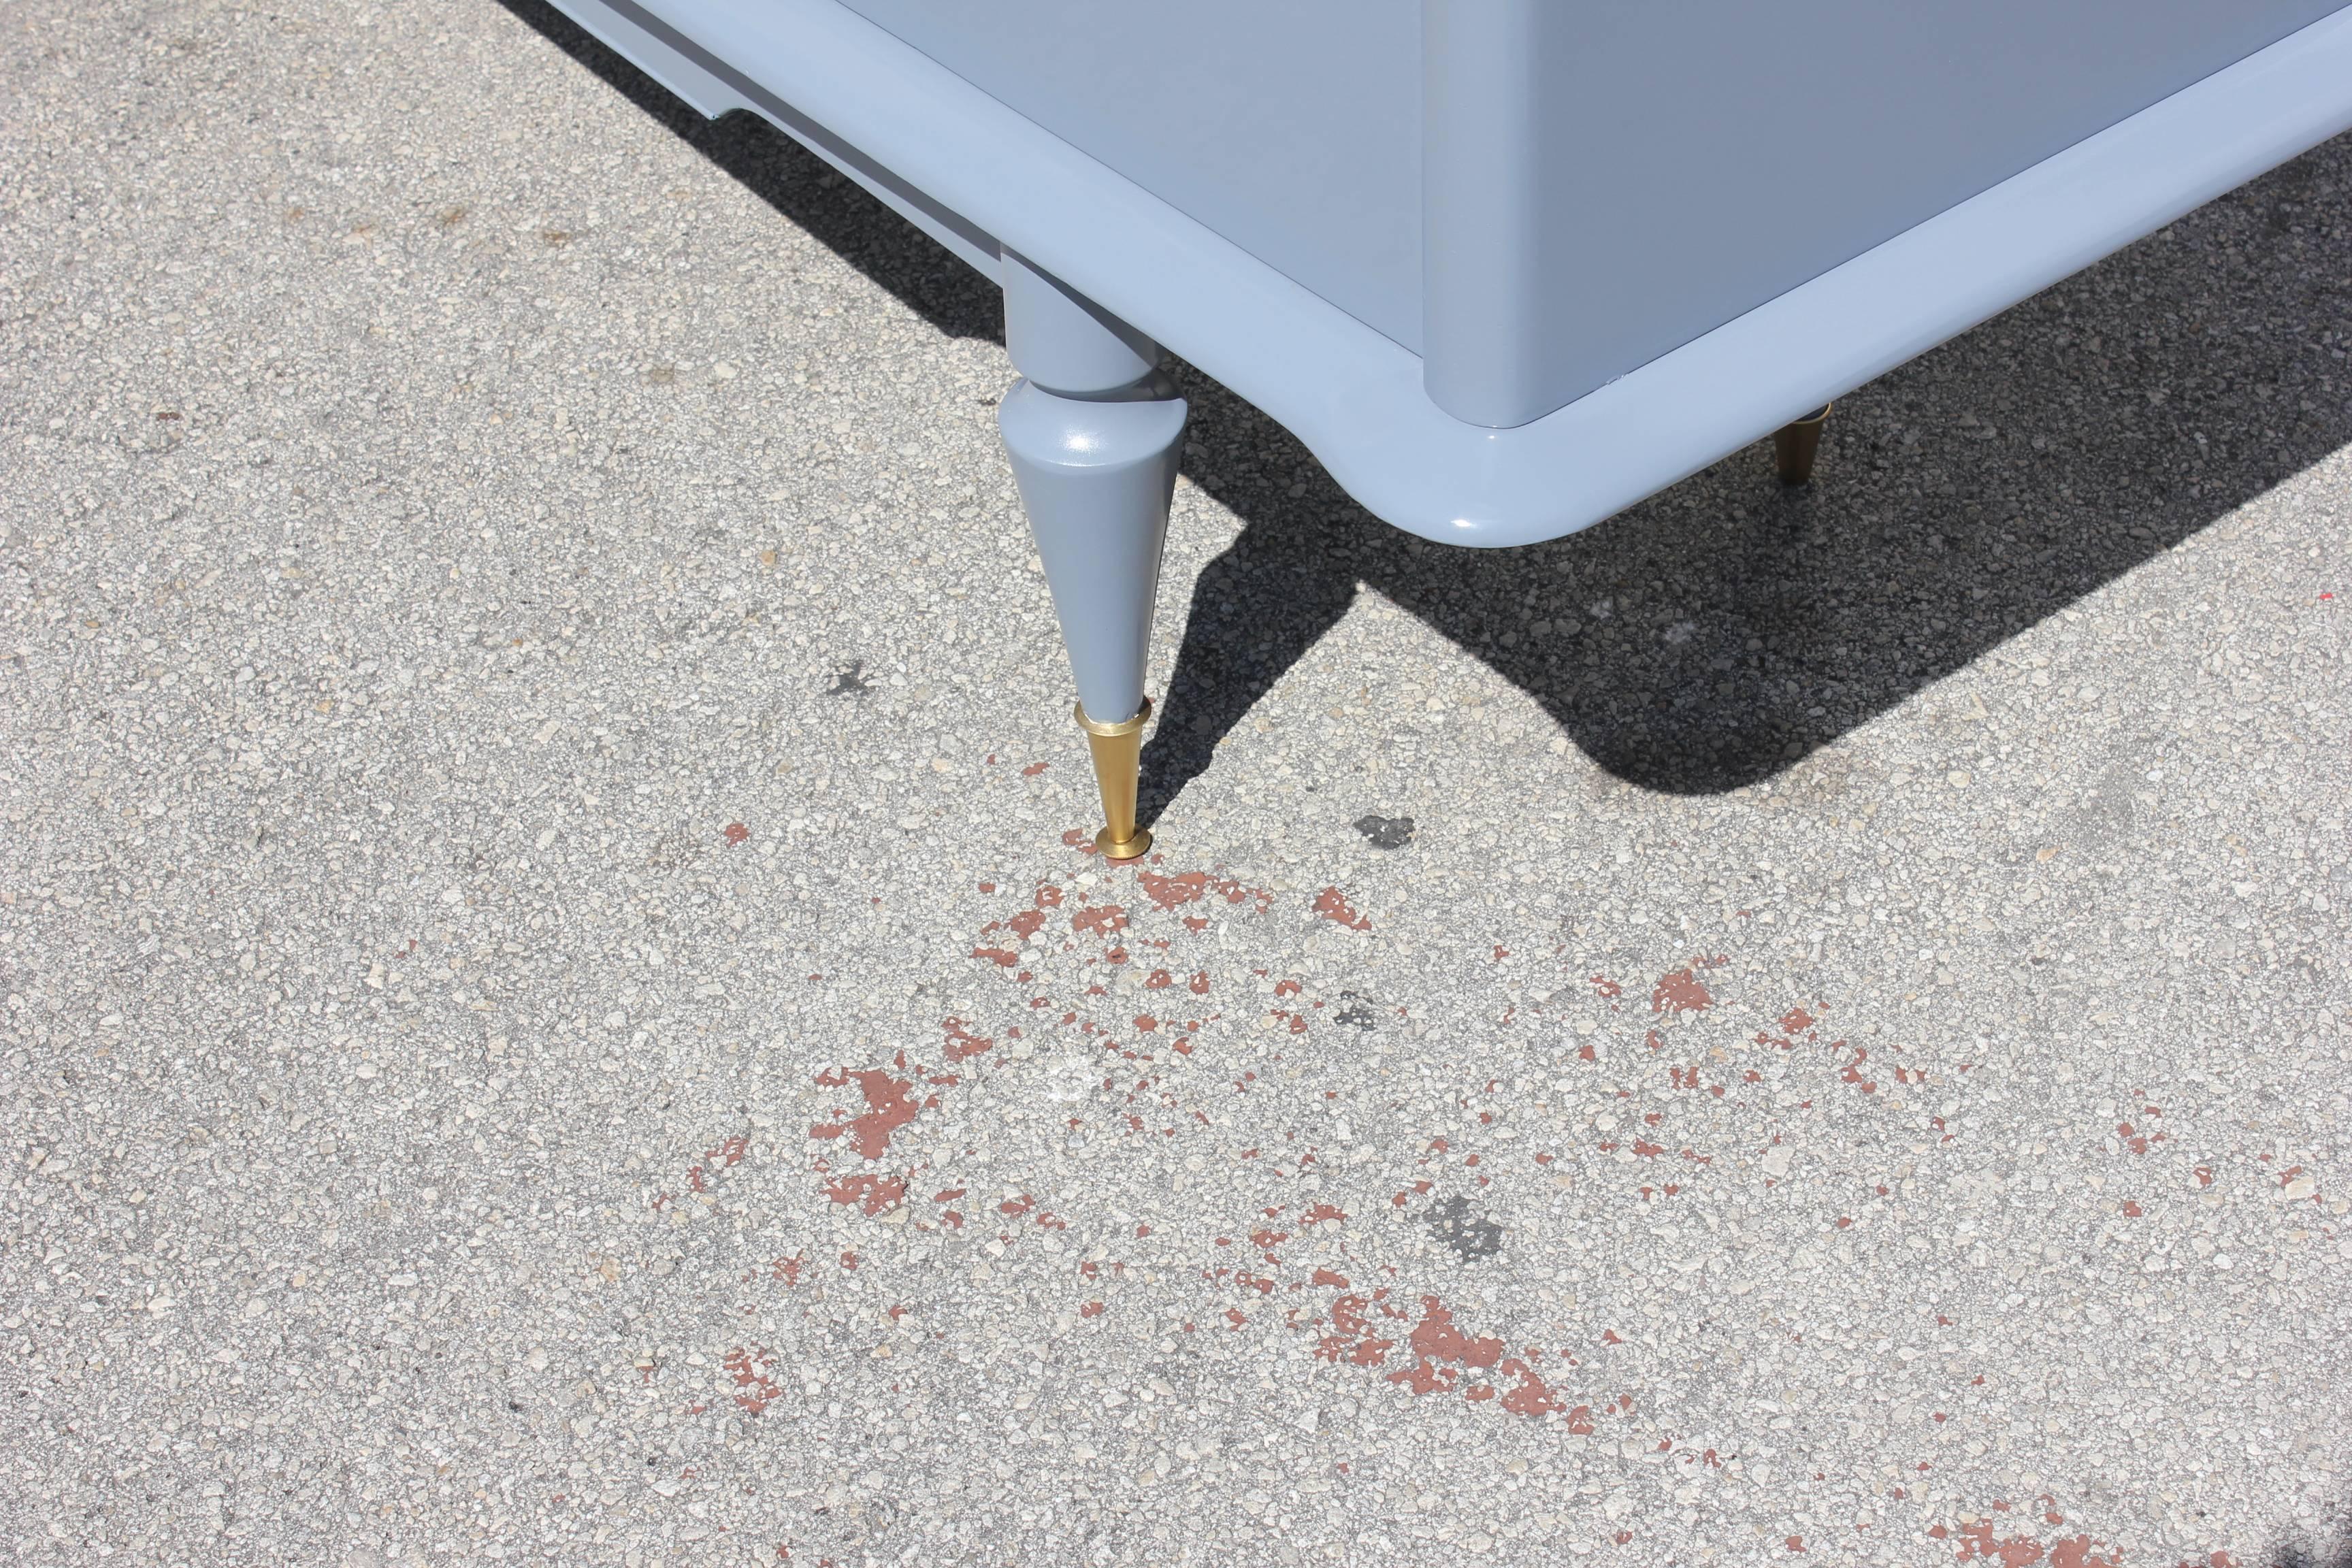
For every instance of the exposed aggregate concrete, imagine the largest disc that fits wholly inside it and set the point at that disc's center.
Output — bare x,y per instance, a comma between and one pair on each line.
554,1010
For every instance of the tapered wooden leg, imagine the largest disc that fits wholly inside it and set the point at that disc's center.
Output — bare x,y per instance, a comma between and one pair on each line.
1094,432
1796,445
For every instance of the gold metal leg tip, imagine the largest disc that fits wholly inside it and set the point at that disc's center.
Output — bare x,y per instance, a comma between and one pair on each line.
1134,848
1117,756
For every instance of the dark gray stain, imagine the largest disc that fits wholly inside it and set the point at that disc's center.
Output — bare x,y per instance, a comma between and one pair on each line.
1459,1226
849,679
1355,1011
1386,831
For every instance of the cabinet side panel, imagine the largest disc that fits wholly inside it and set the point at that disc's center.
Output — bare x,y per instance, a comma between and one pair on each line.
1292,129
1693,159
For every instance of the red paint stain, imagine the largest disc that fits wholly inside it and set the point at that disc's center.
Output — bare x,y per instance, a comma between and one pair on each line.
1356,1342
1322,1212
1851,1072
867,1191
1106,921
1443,1351
1171,893
736,832
1333,906
1608,990
1532,1396
1091,1309
730,1151
750,1368
1795,1543
2132,1209
1034,769
1680,992
787,1270
888,1107
1978,1542
962,1044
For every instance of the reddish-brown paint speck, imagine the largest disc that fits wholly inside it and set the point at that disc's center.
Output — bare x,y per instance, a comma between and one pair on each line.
1034,769
962,1045
1977,1542
1325,1277
1851,1072
1608,990
736,832
889,1108
750,1368
1091,1309
1355,1342
1680,992
1442,1350
1105,921
1532,1395
1172,892
867,1191
849,1261
2132,1209
1333,906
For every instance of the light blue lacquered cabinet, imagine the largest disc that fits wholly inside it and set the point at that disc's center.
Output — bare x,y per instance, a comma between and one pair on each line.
1505,266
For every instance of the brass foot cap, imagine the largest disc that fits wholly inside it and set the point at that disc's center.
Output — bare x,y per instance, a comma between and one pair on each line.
1134,848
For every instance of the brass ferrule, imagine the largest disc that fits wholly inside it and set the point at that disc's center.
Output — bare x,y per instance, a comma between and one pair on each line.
1117,755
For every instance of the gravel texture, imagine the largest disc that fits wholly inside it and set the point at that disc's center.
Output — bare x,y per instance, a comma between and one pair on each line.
551,1011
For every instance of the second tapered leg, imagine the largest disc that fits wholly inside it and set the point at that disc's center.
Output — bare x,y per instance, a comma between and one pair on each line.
1796,445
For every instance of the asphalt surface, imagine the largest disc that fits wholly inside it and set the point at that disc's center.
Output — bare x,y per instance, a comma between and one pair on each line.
550,1013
